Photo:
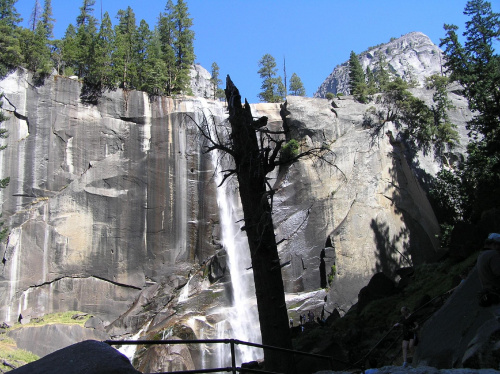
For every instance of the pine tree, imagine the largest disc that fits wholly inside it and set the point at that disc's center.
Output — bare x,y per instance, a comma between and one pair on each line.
156,79
446,135
125,56
477,68
166,27
183,46
100,76
86,16
143,39
357,82
214,80
36,51
86,32
8,13
69,51
381,72
10,51
296,86
370,82
47,20
36,14
272,86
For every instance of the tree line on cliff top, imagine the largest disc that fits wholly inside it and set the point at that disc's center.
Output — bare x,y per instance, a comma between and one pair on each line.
127,56
104,56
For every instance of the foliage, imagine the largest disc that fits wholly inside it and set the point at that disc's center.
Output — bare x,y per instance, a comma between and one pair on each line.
289,150
103,57
272,86
423,128
357,84
446,134
332,274
10,52
329,96
35,50
11,355
381,73
65,318
477,68
125,55
296,86
371,84
214,79
183,45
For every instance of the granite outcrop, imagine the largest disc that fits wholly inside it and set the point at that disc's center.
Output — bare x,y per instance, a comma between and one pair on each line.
112,210
412,57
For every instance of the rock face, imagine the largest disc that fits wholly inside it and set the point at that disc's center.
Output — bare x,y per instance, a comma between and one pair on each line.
104,201
412,57
200,82
29,338
469,338
113,211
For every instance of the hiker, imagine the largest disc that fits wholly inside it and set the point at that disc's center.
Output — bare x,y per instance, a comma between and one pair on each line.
291,322
488,266
410,327
301,320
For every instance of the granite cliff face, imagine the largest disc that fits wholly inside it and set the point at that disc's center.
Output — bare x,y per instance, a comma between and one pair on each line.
412,57
113,211
104,201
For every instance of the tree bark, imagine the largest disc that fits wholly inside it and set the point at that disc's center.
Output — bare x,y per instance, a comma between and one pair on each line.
252,165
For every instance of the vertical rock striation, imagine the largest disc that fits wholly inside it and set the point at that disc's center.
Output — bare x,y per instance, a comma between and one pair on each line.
103,199
112,209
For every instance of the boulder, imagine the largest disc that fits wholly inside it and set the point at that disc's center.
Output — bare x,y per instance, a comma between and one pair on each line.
87,357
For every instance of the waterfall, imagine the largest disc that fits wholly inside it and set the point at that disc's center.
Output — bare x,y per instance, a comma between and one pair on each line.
129,350
184,294
242,316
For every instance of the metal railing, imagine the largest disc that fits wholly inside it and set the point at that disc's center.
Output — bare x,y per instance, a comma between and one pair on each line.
233,342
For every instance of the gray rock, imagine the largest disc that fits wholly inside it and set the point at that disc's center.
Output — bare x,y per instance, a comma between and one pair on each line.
412,57
461,332
113,208
200,82
53,337
88,357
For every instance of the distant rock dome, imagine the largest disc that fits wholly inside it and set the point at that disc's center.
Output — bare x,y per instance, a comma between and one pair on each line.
412,57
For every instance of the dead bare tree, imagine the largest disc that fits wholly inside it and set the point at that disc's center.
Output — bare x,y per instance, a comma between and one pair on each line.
256,150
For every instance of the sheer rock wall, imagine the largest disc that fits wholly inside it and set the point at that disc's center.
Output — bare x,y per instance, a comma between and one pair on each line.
112,208
103,200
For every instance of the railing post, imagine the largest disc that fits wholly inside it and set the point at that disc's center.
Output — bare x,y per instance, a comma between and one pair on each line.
233,357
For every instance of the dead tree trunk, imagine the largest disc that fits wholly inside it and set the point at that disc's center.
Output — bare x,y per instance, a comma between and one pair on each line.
251,167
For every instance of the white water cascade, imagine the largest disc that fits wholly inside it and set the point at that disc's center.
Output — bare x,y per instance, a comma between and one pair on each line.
243,316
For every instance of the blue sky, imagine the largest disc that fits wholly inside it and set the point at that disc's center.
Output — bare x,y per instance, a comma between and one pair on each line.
312,35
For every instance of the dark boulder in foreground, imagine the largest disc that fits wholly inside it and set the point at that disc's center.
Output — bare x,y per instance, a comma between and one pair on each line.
87,357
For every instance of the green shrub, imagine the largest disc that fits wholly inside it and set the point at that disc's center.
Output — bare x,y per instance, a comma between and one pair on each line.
289,150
